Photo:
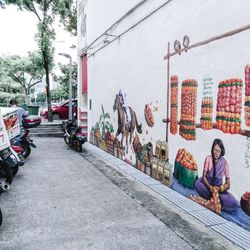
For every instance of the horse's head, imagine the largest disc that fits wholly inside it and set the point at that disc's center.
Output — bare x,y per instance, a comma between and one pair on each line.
116,103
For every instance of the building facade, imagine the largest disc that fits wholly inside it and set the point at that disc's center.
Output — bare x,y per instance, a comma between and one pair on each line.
159,81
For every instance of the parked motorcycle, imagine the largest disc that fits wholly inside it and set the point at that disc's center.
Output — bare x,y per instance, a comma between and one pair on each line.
73,136
12,158
6,169
17,157
25,141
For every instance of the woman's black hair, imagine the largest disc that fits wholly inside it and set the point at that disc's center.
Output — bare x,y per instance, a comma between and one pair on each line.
220,144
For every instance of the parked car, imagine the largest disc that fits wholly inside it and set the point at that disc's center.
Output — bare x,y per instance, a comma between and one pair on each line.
60,111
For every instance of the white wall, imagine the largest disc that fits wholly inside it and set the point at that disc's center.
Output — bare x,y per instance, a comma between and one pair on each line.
135,64
102,14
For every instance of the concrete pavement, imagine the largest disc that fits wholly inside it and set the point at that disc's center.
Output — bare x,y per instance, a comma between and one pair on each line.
62,199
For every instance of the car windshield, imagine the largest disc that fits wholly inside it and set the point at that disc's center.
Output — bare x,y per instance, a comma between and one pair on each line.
74,102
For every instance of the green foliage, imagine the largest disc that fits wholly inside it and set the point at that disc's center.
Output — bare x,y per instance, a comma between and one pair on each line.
63,79
45,38
46,11
104,124
67,12
41,97
97,126
25,71
58,94
65,9
9,88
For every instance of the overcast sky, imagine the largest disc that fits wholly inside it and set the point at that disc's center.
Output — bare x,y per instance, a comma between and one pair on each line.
17,32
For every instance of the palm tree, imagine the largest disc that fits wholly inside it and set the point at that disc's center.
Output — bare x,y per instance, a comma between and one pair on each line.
104,124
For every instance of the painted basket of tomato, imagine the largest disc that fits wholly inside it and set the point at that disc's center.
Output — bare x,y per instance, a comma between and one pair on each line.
185,176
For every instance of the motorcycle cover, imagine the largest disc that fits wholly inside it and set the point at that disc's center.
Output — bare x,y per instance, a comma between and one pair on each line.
31,121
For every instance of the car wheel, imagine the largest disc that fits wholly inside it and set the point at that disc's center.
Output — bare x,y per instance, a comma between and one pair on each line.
56,116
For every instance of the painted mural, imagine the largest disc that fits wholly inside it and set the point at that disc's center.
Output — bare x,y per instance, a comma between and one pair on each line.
224,106
220,106
127,120
212,188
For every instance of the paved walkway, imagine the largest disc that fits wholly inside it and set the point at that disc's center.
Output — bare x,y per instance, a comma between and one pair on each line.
59,200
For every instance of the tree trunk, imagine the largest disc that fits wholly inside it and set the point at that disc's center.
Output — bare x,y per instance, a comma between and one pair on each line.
26,92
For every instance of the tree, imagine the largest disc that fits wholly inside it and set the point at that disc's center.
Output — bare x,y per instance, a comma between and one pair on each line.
8,88
41,97
63,79
58,94
45,11
26,71
68,15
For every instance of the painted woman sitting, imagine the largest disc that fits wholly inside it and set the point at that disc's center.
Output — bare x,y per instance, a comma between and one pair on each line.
215,168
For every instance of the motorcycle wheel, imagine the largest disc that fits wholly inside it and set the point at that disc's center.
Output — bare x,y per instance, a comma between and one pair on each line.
26,149
6,172
79,147
66,140
15,170
1,217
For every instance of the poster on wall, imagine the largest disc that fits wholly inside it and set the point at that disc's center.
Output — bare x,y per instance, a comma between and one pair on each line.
4,138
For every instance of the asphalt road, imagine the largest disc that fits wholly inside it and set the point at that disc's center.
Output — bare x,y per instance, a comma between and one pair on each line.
61,199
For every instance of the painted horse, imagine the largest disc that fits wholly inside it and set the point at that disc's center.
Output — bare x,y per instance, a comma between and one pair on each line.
125,127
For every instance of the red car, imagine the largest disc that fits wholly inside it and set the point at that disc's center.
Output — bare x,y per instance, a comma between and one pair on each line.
60,111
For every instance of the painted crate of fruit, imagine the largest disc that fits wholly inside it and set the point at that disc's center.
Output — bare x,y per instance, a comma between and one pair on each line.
185,168
229,106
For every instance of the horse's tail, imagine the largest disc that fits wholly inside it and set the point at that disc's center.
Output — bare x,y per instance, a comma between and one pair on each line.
138,127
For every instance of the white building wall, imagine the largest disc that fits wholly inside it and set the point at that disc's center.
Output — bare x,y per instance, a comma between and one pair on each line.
134,63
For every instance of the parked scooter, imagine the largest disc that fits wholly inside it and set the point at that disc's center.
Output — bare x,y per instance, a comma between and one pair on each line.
73,136
12,158
25,141
17,157
6,171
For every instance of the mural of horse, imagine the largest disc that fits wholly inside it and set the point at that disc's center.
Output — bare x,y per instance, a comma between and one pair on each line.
124,127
